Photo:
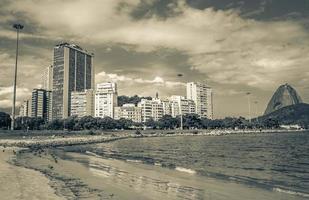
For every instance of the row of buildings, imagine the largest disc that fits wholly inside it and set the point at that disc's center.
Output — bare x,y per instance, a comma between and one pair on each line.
68,90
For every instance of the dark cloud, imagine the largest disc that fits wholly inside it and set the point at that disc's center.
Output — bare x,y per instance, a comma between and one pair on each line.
160,8
259,9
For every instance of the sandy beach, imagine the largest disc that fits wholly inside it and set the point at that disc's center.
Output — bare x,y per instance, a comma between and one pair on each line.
88,176
21,183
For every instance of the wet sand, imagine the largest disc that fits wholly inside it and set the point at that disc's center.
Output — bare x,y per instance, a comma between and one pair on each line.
81,176
21,183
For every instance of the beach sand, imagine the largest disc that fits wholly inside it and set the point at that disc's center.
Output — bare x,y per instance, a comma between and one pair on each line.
80,176
21,183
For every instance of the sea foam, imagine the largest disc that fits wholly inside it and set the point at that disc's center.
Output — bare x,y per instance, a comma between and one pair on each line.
181,169
290,192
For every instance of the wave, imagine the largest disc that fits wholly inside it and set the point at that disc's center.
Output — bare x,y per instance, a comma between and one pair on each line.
290,192
93,154
186,170
135,161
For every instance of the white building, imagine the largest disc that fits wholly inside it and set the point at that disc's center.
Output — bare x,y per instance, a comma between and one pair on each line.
151,109
105,99
25,109
128,111
181,106
47,78
202,96
82,103
146,109
157,109
167,107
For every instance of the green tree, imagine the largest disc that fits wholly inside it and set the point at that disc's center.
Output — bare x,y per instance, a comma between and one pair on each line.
167,122
87,123
106,123
192,121
150,123
124,123
70,122
5,120
56,124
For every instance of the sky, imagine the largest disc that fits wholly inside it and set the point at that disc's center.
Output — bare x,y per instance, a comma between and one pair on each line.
234,46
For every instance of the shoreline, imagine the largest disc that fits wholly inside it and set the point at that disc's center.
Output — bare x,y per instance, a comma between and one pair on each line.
90,176
18,182
67,182
58,141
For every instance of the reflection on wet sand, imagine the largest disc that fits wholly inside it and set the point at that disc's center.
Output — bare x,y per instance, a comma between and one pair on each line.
144,183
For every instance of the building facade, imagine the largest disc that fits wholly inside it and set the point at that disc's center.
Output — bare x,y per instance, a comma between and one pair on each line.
82,103
128,111
40,104
72,71
202,95
47,78
106,99
181,106
167,107
151,109
25,109
146,109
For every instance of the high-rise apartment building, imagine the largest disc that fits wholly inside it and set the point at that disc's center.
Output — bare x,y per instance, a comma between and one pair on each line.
202,96
146,109
167,107
105,99
82,103
128,111
40,103
181,106
72,71
151,109
47,78
25,109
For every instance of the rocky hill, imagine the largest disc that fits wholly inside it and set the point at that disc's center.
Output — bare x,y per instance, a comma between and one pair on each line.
284,96
293,114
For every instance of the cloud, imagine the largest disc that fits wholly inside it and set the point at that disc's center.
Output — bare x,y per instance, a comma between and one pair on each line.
217,41
159,81
227,49
6,96
5,103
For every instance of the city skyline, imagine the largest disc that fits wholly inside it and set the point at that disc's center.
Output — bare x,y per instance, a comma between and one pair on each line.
248,57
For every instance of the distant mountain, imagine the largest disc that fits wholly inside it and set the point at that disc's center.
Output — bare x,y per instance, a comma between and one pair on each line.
284,96
293,114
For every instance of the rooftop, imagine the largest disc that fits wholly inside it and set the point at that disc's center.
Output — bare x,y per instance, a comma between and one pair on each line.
73,46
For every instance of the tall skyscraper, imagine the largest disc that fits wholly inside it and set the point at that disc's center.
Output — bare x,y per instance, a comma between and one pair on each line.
105,99
202,96
40,103
72,71
47,78
82,103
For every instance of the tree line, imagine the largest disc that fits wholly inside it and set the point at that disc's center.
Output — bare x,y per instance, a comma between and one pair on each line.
190,121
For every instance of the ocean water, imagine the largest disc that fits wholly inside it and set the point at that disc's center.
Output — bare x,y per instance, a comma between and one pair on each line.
278,162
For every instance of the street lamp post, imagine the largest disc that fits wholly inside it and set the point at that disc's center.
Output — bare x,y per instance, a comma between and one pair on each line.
249,106
18,27
256,111
181,119
181,115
